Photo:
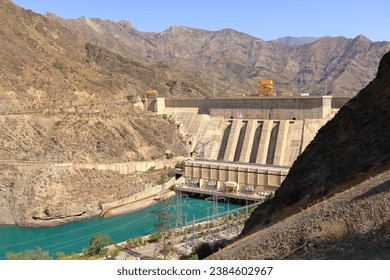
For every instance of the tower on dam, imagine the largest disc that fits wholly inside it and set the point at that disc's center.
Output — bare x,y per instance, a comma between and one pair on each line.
249,143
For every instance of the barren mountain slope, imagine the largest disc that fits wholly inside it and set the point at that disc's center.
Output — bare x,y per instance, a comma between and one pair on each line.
235,61
40,56
63,102
49,77
348,159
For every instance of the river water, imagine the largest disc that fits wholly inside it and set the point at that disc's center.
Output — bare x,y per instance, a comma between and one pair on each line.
74,237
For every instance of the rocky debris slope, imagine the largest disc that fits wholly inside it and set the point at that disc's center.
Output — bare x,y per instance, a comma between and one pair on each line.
349,150
93,133
235,62
350,225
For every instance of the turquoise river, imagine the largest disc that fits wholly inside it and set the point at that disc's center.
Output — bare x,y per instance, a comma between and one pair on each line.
75,236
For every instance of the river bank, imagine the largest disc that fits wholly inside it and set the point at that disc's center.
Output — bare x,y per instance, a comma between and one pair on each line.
73,237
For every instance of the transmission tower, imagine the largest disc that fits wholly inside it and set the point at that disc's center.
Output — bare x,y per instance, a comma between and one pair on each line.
179,209
194,233
187,240
228,226
215,207
163,225
238,222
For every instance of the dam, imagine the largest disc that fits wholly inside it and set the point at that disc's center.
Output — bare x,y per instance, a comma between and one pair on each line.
243,146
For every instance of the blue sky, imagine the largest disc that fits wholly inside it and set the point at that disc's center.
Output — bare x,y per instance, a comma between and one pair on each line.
267,20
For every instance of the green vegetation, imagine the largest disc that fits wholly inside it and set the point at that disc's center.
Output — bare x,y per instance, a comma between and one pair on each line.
36,254
194,257
134,242
57,123
169,156
155,237
114,253
166,176
270,196
152,168
167,249
130,98
180,165
97,244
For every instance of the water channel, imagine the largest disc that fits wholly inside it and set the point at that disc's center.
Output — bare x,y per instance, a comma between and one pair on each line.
74,237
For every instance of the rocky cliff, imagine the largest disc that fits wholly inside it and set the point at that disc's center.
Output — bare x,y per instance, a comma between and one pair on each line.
337,192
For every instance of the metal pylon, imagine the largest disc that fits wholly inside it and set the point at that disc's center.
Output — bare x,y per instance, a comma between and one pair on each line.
194,233
163,225
238,221
215,207
179,209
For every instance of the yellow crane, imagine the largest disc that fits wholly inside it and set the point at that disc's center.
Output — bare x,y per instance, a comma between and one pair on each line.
266,88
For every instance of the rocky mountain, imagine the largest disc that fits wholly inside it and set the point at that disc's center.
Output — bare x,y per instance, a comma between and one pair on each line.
232,62
64,102
289,40
334,203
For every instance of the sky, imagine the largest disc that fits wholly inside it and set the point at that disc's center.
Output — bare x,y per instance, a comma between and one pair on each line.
267,20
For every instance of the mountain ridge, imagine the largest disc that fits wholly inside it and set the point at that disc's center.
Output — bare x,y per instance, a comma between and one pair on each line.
235,61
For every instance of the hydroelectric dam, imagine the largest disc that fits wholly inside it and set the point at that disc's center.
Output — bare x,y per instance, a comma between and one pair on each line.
242,147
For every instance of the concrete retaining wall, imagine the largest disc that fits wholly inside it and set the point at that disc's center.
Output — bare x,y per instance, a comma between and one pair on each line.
129,167
125,205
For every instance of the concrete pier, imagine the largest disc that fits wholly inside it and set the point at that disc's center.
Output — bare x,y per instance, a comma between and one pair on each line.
232,141
281,143
248,141
264,142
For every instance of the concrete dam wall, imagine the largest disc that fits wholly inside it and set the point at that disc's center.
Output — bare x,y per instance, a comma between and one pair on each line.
244,146
274,142
270,131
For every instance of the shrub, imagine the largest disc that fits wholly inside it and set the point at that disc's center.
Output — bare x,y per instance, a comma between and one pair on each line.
163,179
114,253
169,156
180,165
97,243
36,254
155,237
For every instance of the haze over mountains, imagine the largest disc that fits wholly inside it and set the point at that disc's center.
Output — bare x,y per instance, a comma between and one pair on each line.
232,62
